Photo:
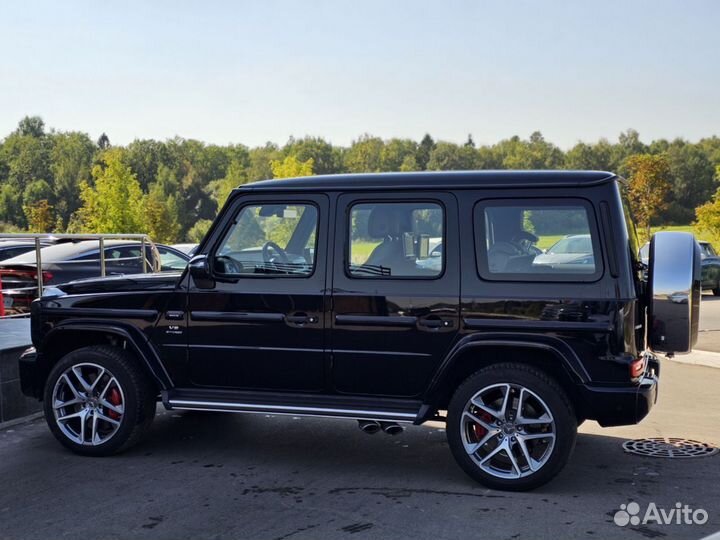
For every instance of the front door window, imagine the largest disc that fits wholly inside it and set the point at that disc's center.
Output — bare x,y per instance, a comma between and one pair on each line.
270,239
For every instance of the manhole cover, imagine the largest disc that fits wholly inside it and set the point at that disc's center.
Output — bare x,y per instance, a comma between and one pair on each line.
669,447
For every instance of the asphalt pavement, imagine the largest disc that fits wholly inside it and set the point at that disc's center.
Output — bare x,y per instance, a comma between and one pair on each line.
225,476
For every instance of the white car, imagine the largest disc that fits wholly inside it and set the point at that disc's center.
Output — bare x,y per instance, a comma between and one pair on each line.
574,249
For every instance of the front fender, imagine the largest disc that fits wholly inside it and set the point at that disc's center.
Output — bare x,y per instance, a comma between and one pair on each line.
135,339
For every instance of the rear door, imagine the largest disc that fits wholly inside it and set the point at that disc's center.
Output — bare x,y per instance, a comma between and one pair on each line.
396,288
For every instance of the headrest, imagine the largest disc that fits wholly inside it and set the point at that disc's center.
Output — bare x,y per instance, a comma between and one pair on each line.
385,220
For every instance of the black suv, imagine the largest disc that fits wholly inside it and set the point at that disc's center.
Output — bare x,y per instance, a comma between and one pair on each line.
511,305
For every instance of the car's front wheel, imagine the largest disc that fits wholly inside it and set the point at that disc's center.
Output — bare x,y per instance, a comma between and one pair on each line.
98,401
511,427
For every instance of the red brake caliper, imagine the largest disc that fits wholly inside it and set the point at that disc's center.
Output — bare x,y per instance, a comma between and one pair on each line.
114,398
478,430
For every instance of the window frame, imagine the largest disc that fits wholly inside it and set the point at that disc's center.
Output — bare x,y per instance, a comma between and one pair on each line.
348,240
480,236
233,222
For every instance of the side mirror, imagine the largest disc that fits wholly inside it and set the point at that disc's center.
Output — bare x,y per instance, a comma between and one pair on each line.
200,272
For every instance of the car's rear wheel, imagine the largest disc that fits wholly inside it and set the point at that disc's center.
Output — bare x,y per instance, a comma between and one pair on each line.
98,401
511,427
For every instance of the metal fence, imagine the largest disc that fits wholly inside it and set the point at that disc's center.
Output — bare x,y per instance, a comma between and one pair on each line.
145,241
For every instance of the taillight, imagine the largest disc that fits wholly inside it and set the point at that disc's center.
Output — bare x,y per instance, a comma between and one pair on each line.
637,367
47,276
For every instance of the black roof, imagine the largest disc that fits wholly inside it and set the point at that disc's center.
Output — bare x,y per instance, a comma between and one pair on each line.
439,179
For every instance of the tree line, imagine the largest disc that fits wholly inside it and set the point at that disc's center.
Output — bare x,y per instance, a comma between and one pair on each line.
54,181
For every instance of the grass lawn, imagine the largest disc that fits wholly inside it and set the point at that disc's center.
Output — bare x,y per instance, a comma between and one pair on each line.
545,242
700,235
361,251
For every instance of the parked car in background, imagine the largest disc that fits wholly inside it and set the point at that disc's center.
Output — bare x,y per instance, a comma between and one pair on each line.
71,261
574,249
13,248
710,268
710,274
190,249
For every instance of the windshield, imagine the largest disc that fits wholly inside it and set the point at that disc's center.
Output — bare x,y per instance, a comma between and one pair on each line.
707,250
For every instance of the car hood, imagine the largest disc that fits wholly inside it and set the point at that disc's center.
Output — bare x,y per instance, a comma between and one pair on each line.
130,282
559,258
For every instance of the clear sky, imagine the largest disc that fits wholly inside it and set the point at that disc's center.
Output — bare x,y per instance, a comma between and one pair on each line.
251,72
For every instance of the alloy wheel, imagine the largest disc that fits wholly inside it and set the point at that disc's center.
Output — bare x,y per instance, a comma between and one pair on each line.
88,404
508,431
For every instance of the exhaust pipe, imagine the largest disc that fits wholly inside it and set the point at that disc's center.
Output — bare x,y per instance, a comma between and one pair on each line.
391,428
369,426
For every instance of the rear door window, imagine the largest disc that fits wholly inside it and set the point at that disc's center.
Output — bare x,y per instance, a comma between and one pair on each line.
396,240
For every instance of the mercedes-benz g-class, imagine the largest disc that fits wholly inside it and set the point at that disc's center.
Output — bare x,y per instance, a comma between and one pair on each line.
510,304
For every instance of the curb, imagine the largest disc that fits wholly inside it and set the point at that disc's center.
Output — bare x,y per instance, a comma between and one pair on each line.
699,358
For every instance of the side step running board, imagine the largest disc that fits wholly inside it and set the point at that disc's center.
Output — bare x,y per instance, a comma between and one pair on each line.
267,408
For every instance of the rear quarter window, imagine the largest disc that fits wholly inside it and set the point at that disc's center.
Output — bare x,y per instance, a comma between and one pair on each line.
537,240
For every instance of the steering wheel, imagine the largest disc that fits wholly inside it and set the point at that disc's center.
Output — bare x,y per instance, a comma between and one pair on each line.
267,250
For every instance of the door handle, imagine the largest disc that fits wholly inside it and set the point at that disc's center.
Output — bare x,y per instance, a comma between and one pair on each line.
435,323
301,318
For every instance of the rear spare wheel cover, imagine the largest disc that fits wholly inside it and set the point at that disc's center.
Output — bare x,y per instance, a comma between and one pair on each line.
674,292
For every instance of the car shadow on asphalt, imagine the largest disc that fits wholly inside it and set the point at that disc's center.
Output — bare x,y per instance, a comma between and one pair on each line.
338,451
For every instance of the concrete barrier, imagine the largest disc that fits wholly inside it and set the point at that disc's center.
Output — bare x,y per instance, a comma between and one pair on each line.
14,339
13,404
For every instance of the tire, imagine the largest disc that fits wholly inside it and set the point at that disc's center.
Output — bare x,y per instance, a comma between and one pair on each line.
549,444
120,407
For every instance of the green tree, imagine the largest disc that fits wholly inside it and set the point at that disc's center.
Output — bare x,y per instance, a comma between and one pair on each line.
409,164
71,159
26,158
648,187
708,214
103,142
235,176
326,160
290,167
37,190
198,231
597,157
425,148
535,153
448,156
31,126
260,158
11,210
144,157
114,204
691,179
39,216
364,154
161,215
397,152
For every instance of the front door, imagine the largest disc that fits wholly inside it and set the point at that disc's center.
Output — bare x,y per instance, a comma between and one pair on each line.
261,325
396,289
